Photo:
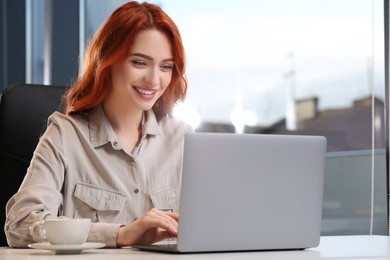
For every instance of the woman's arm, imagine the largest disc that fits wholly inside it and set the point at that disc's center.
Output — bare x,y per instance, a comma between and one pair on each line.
39,195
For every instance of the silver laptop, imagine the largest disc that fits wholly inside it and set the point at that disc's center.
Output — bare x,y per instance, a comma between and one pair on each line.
248,192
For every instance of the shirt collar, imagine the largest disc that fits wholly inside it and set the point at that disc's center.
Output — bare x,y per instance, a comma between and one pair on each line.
101,132
150,125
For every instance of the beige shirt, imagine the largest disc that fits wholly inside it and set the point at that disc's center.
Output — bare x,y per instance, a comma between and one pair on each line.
81,170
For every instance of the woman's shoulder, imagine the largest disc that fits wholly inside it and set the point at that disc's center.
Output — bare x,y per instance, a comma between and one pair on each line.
61,118
68,122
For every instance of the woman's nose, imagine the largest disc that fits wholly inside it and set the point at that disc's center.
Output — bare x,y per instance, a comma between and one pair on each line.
152,78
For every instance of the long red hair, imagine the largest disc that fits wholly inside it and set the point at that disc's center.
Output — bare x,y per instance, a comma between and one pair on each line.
110,45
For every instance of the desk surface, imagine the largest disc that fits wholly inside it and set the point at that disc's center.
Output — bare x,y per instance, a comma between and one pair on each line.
332,247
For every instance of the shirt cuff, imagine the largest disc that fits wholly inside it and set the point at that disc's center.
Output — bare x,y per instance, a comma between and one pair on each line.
104,233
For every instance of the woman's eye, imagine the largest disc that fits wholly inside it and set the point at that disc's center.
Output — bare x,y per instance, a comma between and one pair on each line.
167,66
138,62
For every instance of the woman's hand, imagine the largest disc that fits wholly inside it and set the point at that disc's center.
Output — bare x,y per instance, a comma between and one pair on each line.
154,226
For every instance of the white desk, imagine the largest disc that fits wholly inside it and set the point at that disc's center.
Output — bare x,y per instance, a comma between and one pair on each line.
333,247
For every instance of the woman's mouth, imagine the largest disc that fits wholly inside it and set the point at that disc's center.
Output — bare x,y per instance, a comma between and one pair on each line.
144,93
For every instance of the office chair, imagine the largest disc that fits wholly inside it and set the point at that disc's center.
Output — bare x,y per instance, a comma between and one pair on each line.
24,109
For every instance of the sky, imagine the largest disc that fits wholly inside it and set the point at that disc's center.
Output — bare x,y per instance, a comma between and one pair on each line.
243,53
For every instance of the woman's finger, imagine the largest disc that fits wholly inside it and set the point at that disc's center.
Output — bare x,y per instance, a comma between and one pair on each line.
159,219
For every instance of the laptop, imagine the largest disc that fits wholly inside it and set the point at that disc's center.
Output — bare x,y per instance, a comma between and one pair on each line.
249,192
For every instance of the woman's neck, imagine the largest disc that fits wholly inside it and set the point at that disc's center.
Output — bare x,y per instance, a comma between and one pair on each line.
126,123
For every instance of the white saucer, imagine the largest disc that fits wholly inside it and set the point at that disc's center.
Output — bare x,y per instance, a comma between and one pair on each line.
66,249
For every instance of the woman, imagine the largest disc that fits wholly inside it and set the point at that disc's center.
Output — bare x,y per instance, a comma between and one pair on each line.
115,156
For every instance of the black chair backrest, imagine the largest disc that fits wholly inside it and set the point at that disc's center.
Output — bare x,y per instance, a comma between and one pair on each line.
24,109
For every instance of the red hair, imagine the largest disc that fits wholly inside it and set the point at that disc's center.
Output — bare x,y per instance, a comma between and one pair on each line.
110,45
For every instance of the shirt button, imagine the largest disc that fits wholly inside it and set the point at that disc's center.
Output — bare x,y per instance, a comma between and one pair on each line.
115,143
136,190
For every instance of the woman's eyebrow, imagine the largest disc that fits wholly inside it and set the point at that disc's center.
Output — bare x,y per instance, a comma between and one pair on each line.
149,57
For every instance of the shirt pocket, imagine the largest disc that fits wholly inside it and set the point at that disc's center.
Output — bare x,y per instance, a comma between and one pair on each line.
98,204
167,198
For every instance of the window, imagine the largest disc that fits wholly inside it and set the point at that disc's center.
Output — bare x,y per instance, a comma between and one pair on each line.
291,67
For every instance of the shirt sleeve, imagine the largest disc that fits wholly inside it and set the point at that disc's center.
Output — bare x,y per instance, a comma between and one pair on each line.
39,195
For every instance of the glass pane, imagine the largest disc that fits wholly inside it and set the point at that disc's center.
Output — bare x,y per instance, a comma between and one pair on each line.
286,66
35,29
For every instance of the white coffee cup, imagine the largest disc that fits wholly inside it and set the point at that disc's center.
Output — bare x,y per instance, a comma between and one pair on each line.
61,231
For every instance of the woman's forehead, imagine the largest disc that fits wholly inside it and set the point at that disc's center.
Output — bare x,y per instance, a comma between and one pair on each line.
152,43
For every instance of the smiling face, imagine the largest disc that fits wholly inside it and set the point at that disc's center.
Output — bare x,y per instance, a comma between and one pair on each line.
140,80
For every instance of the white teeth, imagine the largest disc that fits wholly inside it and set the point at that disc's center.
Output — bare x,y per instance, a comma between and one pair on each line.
145,92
